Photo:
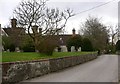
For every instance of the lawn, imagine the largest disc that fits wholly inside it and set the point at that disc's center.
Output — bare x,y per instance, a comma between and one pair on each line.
24,56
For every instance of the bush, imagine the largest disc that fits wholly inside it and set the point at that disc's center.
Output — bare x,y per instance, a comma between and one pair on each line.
110,49
118,45
27,45
69,48
74,41
87,45
47,46
12,48
28,48
8,44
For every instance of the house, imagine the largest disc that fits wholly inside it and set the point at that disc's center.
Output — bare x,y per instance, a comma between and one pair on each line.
62,40
15,33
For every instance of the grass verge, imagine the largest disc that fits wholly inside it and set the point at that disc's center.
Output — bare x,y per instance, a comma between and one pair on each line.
25,56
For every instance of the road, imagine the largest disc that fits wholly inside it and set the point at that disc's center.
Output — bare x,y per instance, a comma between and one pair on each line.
102,69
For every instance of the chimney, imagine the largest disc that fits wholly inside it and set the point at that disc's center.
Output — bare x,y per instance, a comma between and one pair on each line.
13,22
73,31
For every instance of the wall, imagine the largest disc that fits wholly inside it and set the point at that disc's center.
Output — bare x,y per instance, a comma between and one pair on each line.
18,71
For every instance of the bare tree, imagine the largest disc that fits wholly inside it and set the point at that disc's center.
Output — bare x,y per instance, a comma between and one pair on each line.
55,20
47,21
113,32
96,32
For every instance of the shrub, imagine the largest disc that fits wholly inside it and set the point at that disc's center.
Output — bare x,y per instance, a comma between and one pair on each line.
12,48
69,48
8,44
28,48
110,49
47,46
59,49
87,45
118,45
74,41
27,45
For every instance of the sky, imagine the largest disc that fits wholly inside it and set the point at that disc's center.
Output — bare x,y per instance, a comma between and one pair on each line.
108,13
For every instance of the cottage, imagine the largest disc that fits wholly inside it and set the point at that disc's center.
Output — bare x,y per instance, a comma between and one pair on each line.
17,33
14,32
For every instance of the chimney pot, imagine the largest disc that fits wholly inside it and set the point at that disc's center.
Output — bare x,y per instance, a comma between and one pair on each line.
13,22
73,31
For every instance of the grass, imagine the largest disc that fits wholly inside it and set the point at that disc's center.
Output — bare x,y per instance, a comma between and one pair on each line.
24,56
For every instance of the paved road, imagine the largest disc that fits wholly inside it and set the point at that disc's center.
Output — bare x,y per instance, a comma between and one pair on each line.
102,69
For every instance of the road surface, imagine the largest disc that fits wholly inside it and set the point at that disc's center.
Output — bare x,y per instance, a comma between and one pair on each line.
102,69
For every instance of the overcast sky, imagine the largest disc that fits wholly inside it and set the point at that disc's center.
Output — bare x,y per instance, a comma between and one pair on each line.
108,13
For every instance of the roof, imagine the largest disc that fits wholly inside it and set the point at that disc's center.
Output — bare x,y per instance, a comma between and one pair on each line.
2,32
16,31
61,39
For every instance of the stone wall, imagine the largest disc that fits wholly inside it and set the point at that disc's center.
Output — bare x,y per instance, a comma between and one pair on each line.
61,63
18,71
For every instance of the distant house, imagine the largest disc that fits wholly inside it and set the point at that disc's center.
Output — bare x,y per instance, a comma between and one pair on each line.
14,32
62,39
17,33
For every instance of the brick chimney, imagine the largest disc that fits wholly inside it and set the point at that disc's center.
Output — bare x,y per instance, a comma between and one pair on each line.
13,22
74,32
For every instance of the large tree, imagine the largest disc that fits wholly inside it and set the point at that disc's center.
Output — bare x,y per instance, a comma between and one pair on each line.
96,32
34,13
113,36
113,33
